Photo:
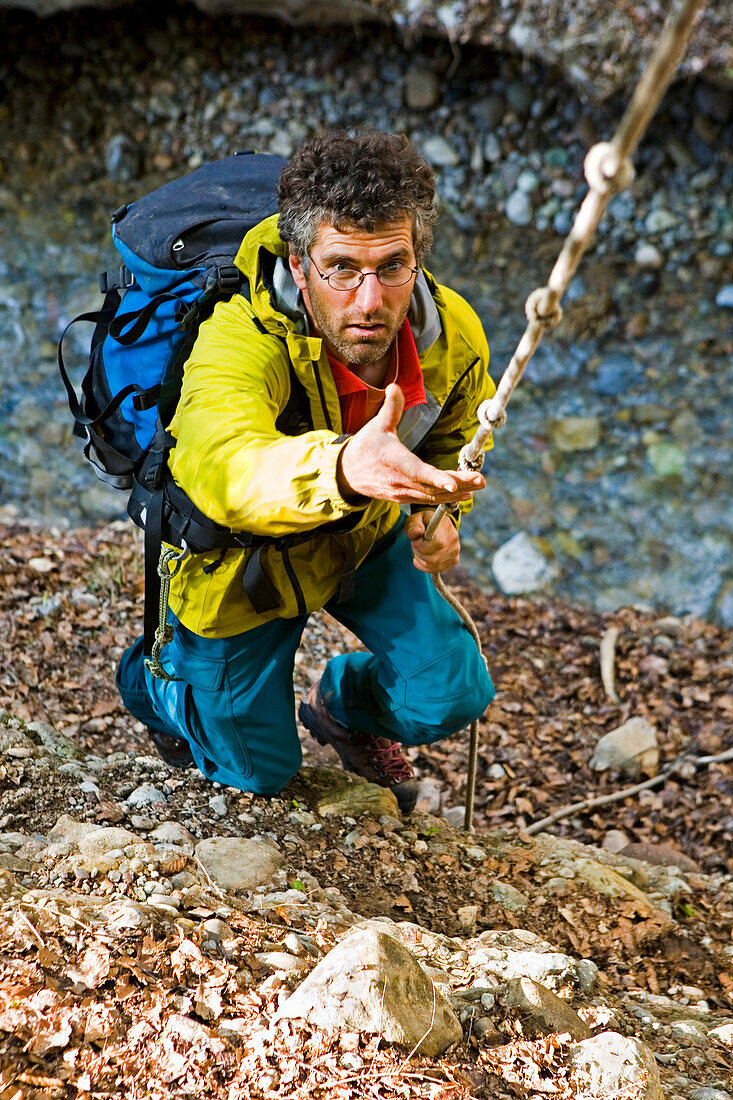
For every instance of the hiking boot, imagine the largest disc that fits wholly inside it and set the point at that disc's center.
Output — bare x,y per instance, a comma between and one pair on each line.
377,759
174,750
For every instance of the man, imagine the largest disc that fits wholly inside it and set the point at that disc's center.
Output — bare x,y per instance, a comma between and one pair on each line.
342,386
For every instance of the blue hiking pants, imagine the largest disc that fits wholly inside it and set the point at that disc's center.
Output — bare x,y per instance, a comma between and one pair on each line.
421,680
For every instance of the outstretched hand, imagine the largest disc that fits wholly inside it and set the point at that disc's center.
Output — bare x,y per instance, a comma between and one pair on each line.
374,463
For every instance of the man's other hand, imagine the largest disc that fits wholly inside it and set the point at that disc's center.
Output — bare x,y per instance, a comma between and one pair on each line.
441,552
374,463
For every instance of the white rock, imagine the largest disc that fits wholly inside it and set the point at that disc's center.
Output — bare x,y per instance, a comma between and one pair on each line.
440,152
630,748
172,832
240,863
144,795
724,297
371,983
610,1064
467,916
54,742
723,1035
429,795
518,566
492,148
41,565
69,830
218,803
614,840
518,208
123,913
648,256
455,816
109,839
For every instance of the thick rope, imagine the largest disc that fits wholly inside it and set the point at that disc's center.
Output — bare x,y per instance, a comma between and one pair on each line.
608,170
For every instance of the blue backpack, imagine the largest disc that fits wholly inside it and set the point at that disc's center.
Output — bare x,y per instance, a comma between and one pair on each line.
178,245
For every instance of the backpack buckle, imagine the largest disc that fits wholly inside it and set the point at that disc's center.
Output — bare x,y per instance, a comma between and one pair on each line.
229,278
119,279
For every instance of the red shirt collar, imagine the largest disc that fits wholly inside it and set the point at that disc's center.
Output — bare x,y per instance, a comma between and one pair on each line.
360,401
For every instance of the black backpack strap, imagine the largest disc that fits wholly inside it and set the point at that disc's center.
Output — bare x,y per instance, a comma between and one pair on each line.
153,543
137,321
101,318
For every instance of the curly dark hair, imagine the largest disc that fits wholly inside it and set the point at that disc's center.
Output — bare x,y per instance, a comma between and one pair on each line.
364,180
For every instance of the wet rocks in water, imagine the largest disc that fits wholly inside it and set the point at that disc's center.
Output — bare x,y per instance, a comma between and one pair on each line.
371,983
724,297
631,748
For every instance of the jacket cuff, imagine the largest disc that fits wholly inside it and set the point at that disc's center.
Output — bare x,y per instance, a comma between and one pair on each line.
355,502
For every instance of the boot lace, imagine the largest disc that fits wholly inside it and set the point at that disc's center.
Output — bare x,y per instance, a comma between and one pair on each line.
391,760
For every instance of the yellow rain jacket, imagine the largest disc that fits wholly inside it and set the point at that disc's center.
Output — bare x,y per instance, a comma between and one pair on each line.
237,465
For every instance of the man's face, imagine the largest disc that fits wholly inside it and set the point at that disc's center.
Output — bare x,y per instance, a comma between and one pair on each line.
358,325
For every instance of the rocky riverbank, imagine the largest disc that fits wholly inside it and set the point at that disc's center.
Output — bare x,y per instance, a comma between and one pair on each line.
611,478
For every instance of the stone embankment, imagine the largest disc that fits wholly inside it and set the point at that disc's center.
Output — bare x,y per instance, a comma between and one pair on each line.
197,938
597,46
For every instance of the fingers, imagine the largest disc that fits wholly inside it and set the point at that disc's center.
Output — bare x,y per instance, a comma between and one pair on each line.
429,479
415,526
389,415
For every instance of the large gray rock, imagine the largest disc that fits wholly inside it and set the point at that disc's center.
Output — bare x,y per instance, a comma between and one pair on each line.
611,1065
333,792
519,566
239,863
544,1007
630,748
371,983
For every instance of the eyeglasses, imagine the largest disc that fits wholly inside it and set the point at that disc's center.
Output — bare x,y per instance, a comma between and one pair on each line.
394,273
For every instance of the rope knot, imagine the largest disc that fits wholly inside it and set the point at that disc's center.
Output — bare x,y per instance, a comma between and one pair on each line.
605,171
486,420
543,308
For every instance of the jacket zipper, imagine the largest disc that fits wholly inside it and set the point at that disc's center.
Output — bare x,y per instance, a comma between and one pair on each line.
322,395
446,403
297,590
